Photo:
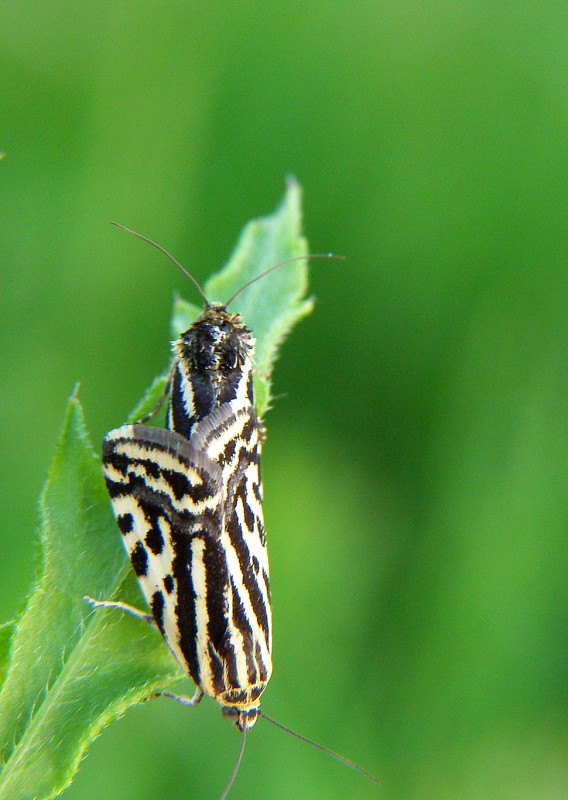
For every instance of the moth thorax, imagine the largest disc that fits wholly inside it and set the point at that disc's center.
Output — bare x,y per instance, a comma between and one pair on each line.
218,341
242,719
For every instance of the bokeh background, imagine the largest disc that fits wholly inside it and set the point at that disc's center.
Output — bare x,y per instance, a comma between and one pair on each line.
416,464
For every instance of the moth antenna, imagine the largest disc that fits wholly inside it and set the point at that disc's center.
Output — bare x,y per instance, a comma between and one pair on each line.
165,252
327,750
227,788
276,266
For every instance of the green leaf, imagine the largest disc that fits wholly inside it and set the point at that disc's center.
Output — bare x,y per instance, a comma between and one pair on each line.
6,631
71,670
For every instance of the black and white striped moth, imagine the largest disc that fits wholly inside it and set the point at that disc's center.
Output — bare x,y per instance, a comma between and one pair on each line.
188,501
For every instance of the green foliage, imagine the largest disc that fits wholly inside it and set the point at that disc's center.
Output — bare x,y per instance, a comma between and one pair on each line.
415,470
6,630
71,669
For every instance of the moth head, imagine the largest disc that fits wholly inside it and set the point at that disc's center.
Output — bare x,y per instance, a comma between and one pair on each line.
217,341
242,719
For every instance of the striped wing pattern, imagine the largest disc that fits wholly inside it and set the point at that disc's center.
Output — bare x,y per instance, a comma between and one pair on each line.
190,511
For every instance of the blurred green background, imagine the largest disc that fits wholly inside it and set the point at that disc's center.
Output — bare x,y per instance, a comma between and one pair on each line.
416,463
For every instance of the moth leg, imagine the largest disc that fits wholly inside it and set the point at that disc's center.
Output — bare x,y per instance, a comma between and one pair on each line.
181,698
151,414
122,607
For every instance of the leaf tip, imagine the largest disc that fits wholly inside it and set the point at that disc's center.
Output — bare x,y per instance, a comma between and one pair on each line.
75,392
293,193
292,182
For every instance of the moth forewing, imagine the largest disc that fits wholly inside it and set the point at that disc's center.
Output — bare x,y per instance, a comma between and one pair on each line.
188,500
162,490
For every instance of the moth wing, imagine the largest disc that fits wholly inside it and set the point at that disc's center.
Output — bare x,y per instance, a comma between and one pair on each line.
167,499
190,512
239,663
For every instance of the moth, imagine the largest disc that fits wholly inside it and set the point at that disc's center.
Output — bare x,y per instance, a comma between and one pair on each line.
188,502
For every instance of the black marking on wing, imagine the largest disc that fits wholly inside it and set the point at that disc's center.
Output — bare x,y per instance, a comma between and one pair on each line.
229,451
266,583
261,531
217,669
217,579
139,559
241,493
237,539
249,428
154,538
152,469
157,606
125,522
226,652
185,610
204,526
258,690
181,485
236,697
111,455
257,492
241,622
263,672
169,584
249,579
